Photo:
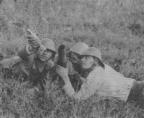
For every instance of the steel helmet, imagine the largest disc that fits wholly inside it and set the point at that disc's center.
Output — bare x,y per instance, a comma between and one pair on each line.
49,44
92,51
79,48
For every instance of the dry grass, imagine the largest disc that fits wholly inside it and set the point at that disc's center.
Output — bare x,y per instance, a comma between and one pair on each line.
116,27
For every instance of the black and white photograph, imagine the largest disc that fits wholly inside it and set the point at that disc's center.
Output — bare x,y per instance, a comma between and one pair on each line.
71,58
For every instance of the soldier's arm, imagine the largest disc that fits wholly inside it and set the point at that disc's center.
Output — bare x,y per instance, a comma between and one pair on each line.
63,73
83,93
87,89
9,62
34,45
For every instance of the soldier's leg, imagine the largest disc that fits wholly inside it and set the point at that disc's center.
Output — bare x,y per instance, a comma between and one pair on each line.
137,94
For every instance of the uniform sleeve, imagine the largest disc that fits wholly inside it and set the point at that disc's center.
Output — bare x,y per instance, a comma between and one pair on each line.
69,89
89,88
9,62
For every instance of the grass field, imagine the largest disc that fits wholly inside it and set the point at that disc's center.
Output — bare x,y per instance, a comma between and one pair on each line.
114,26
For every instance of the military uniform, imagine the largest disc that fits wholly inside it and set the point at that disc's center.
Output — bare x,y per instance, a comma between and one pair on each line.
32,69
101,81
35,60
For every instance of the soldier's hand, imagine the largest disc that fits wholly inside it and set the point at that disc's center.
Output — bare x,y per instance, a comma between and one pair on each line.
33,42
33,39
50,64
62,72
